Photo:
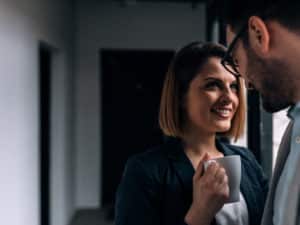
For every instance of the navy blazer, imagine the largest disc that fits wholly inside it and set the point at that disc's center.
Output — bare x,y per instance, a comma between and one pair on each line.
156,187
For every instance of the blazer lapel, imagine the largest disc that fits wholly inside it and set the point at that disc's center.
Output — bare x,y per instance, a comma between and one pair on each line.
283,152
182,167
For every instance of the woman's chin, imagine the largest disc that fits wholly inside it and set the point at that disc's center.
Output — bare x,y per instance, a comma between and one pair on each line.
221,128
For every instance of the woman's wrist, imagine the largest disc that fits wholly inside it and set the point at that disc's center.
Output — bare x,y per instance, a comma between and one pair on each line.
197,217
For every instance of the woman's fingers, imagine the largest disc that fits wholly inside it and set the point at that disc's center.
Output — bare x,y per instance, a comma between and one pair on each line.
220,175
212,170
200,168
210,188
221,183
214,179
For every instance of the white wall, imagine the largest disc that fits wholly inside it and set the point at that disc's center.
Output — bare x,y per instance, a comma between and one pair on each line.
103,24
22,25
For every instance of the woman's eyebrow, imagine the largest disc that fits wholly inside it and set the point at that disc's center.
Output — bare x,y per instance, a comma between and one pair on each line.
218,79
212,78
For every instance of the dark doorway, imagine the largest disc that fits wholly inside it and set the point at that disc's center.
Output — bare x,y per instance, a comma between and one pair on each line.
45,99
131,86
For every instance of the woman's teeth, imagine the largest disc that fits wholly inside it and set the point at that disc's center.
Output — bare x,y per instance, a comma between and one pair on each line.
223,112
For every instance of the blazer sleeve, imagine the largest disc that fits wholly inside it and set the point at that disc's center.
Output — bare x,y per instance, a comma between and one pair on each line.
137,200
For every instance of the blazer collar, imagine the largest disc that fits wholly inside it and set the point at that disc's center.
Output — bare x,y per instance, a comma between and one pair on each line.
224,148
175,149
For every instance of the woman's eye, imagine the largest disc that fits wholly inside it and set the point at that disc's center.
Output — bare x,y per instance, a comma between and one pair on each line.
234,87
212,85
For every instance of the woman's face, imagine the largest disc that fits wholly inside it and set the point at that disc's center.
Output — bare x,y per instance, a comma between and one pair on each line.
212,99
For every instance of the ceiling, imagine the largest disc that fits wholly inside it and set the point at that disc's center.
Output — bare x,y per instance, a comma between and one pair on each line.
176,1
181,1
194,3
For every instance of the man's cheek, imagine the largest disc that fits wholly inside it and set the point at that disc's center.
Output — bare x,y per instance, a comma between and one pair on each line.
242,61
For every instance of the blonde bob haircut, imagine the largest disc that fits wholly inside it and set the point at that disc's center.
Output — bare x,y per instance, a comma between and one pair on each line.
184,67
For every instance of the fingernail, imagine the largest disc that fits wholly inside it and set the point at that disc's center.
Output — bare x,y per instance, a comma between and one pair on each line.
209,162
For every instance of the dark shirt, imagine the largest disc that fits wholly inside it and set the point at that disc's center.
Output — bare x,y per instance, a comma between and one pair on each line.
156,187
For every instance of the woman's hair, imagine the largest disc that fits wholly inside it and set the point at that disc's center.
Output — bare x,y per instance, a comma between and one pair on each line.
185,66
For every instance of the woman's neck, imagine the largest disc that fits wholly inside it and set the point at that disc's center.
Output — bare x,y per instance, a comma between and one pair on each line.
195,146
200,144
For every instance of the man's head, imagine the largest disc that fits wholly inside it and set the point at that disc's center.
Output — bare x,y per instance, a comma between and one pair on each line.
264,45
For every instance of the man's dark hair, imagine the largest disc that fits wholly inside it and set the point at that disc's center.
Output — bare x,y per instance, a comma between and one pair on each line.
237,12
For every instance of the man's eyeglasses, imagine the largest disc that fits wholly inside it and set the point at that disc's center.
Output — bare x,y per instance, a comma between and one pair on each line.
228,60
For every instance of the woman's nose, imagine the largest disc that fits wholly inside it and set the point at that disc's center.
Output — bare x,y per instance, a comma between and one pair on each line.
227,96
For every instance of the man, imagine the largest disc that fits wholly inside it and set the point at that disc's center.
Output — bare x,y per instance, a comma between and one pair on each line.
264,48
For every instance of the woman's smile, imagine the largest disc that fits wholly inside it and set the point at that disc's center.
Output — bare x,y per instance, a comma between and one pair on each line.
222,112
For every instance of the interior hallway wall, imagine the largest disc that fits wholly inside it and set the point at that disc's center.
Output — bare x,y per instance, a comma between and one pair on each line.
23,24
108,24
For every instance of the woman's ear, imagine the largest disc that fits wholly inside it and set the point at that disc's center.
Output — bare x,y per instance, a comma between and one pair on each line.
258,36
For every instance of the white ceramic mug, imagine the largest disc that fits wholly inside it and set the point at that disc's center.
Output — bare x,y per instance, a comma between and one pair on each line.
232,166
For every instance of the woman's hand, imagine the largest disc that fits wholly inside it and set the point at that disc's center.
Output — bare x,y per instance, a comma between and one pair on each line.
210,192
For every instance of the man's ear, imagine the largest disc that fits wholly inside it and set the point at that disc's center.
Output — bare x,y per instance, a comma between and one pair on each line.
259,36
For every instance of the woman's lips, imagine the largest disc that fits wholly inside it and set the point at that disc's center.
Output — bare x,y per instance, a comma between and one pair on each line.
223,113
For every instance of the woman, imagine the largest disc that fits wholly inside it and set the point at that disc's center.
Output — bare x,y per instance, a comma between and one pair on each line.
167,185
